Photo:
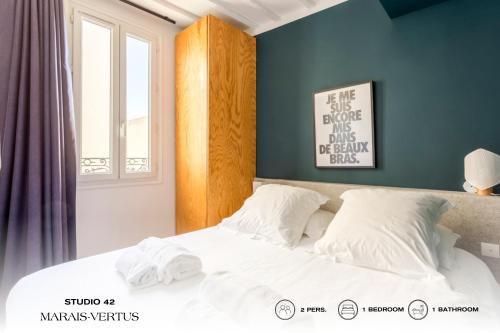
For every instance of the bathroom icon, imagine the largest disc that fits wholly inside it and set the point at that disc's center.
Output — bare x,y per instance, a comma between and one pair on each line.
418,309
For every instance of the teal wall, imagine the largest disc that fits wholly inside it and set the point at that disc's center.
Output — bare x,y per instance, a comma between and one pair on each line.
437,89
395,8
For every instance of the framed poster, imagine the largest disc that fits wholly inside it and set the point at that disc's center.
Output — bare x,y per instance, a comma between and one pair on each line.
344,127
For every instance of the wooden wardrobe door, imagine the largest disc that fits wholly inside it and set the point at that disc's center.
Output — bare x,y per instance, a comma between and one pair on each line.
231,144
191,127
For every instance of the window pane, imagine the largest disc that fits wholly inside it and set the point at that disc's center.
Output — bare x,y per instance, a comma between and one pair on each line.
96,99
138,140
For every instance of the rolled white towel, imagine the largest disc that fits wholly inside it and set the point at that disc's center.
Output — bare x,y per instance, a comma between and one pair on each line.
173,261
137,269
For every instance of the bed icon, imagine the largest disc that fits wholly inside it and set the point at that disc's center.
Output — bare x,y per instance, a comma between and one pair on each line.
348,309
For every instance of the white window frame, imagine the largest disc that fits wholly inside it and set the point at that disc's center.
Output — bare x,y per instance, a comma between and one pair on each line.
120,28
151,39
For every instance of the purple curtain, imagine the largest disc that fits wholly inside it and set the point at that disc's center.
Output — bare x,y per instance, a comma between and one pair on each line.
38,174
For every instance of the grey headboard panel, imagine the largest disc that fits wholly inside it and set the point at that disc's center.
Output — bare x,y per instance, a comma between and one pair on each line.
476,219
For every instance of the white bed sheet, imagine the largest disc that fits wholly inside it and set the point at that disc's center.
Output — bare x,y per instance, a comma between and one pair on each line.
307,279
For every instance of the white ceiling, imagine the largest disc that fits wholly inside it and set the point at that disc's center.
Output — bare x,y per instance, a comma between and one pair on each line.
253,16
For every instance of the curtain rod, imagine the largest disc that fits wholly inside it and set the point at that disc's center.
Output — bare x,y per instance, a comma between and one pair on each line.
166,18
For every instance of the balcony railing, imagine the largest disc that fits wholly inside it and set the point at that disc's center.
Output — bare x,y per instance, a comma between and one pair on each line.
95,166
102,166
137,164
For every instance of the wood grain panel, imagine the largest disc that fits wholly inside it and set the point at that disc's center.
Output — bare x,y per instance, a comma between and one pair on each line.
191,127
232,93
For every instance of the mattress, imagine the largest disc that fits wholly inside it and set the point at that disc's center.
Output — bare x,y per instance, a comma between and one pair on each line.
469,298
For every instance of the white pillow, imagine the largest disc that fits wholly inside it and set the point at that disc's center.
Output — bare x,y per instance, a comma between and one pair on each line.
278,213
386,230
317,223
446,246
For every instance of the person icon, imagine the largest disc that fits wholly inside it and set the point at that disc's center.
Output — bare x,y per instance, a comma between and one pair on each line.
284,309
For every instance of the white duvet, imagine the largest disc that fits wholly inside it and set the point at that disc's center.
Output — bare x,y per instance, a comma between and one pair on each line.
308,280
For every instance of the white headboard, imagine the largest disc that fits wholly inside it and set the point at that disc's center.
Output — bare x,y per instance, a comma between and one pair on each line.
475,218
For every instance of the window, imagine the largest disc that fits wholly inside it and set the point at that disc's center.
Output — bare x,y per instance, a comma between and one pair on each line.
137,105
96,98
115,79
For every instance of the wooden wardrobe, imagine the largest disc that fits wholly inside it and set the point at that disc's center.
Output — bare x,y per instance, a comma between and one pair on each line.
215,122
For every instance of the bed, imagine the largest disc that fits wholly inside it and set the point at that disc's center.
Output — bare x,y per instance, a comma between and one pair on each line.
469,300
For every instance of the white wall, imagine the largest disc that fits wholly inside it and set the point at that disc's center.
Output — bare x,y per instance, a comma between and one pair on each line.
113,218
110,218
